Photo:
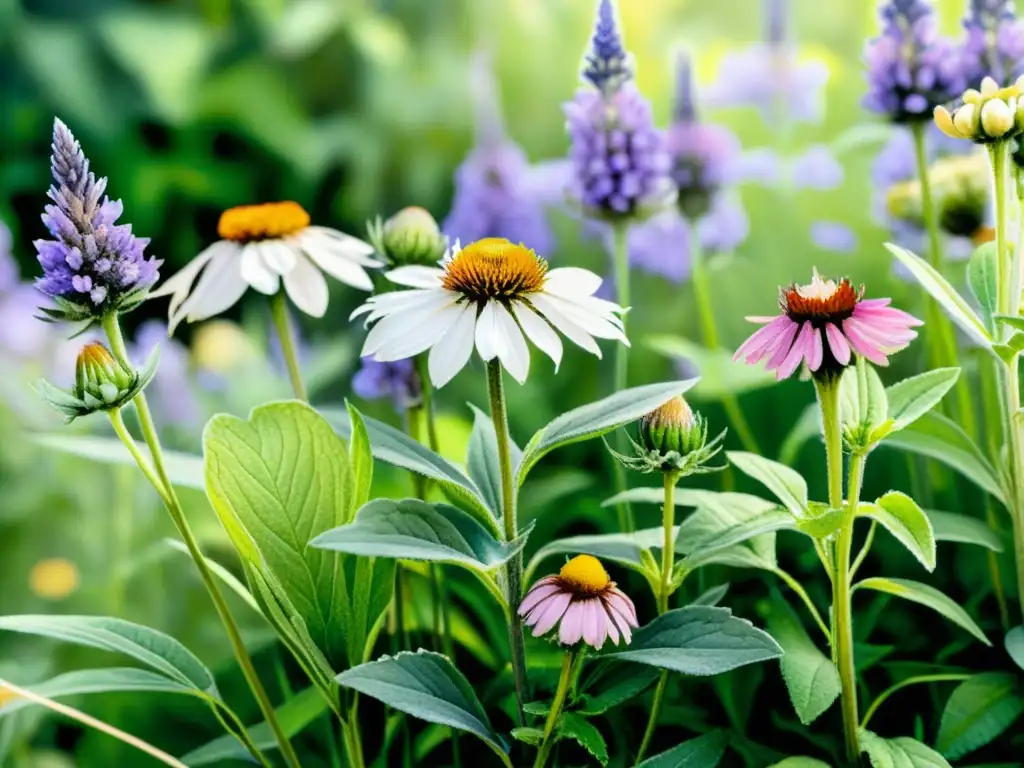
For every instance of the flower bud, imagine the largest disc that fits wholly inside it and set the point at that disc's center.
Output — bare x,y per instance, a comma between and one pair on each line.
672,427
412,236
963,120
996,118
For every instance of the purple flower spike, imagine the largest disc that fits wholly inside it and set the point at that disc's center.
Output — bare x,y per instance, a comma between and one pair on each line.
92,266
607,64
995,42
910,68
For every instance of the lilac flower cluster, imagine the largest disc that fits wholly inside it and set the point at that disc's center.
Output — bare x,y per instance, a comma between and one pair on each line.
994,45
910,68
607,64
93,265
397,381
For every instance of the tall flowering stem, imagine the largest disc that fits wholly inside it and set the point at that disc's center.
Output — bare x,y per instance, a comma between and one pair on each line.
572,662
158,477
620,233
286,335
514,568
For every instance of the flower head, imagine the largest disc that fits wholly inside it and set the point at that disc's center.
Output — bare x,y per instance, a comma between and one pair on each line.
910,68
673,439
994,44
263,246
825,324
991,114
92,265
395,380
489,294
607,64
411,236
584,601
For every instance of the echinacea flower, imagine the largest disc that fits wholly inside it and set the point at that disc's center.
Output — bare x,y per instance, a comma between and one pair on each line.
92,266
994,44
489,293
263,246
584,602
825,323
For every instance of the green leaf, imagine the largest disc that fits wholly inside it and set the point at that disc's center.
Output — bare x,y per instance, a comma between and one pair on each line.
699,640
185,470
766,522
411,529
950,526
717,513
392,446
928,596
786,484
978,711
482,458
584,733
613,683
907,522
712,596
811,678
800,762
937,437
598,418
1010,321
294,716
982,274
531,736
360,461
625,549
911,398
862,396
425,685
825,522
1014,643
956,307
719,375
154,649
277,481
900,753
703,752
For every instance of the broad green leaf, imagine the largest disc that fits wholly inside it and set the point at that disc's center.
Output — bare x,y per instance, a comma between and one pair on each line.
294,716
394,447
626,549
982,273
1010,321
741,556
950,526
711,596
899,753
699,640
718,512
811,678
907,522
935,436
800,762
978,711
1014,643
956,307
185,470
276,481
824,523
786,484
766,522
598,418
411,529
425,685
911,398
703,752
360,461
862,396
719,375
154,649
612,683
482,458
584,733
106,680
531,736
928,596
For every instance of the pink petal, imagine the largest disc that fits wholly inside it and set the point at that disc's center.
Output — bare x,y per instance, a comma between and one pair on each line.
816,352
862,346
536,594
613,631
601,618
801,348
554,607
618,600
890,339
761,340
590,629
573,623
838,344
622,621
872,303
887,313
783,346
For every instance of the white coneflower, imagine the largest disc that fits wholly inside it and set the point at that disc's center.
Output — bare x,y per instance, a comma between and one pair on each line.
490,293
263,246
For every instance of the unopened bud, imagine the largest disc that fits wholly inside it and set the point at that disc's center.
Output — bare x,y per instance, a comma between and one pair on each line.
996,118
412,236
964,120
673,427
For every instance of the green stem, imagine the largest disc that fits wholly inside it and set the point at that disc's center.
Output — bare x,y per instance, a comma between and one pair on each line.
797,587
620,233
514,567
947,678
652,721
162,483
564,680
865,548
283,326
843,610
828,399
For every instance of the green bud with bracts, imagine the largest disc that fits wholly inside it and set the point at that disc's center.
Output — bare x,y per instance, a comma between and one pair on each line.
409,238
673,438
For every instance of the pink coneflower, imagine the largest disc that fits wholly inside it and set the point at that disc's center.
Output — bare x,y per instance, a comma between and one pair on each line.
824,324
588,604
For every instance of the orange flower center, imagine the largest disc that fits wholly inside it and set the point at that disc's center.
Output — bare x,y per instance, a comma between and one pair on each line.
820,299
247,223
495,268
584,574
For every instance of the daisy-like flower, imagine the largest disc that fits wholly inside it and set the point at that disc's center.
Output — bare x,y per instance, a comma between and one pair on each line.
490,293
263,246
826,323
584,601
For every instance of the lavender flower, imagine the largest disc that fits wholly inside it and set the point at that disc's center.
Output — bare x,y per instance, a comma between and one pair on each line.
21,337
397,381
92,266
833,236
620,167
171,390
911,69
8,266
995,42
816,169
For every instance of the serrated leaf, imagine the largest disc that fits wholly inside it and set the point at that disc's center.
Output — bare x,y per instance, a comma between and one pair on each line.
584,733
982,274
911,398
811,678
950,526
928,596
482,458
900,515
1014,643
978,711
703,752
900,753
613,683
425,685
598,418
786,484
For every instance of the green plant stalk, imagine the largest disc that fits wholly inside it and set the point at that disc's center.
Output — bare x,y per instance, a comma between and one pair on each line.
882,697
285,333
620,233
828,400
162,483
709,331
797,587
514,567
564,681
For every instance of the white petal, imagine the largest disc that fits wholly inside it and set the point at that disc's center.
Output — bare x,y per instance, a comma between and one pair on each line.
278,255
539,332
451,353
601,325
489,339
395,326
428,332
351,244
567,327
307,288
256,273
338,265
219,288
572,281
416,277
178,284
516,355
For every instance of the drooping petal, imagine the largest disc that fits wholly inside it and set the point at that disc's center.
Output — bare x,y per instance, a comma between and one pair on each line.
337,264
278,255
571,282
799,351
554,607
573,623
516,355
219,288
816,353
862,346
490,342
307,288
416,276
453,350
757,346
256,272
537,593
618,599
421,337
783,346
837,343
396,325
539,332
564,325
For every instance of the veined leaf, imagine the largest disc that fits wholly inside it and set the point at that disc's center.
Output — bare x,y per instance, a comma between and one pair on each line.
611,683
928,596
786,484
584,733
811,678
982,272
764,523
950,526
800,762
898,513
185,470
482,458
703,752
978,711
862,396
1014,643
360,461
900,753
912,398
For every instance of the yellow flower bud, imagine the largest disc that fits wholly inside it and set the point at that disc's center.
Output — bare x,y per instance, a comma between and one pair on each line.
996,117
944,121
964,119
971,96
989,86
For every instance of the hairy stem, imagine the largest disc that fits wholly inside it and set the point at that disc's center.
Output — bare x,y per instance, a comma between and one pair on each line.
843,610
286,335
620,254
564,681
